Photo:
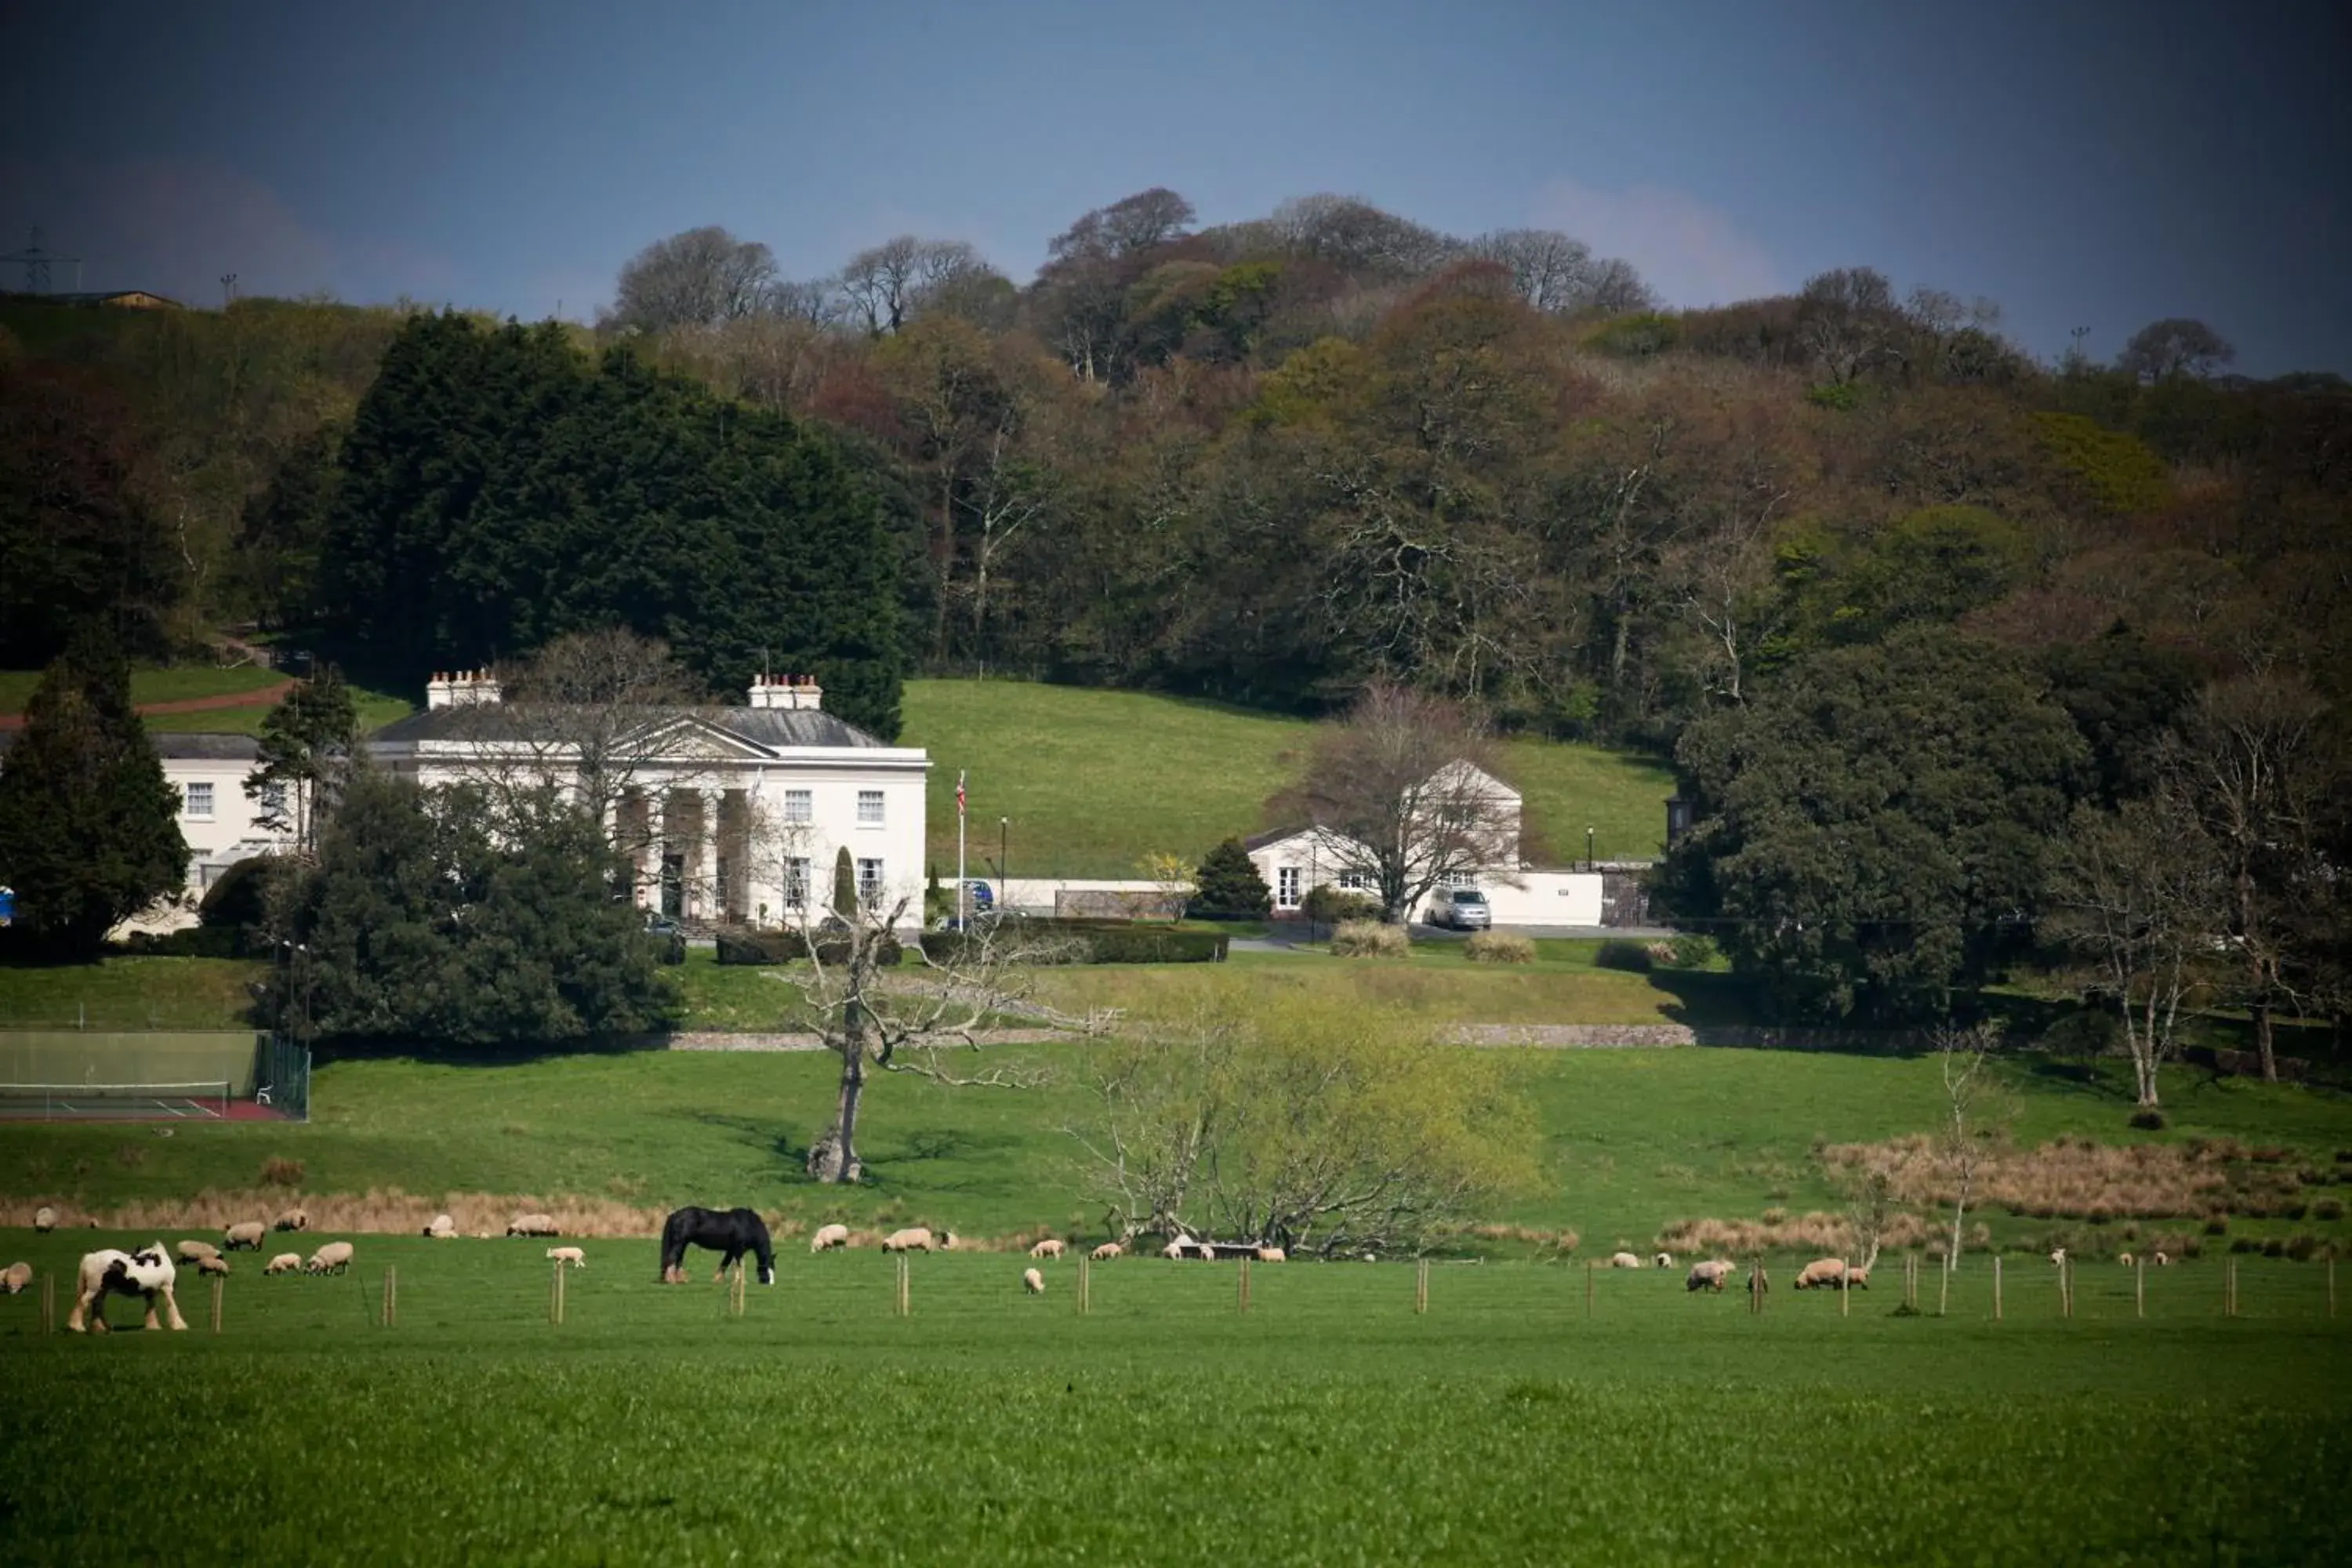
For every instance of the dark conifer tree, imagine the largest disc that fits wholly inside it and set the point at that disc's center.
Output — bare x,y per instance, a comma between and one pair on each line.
1227,886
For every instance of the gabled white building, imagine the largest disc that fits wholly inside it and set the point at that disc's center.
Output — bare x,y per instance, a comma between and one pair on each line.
727,813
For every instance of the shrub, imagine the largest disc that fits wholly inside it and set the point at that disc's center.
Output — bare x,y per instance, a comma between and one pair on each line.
1619,953
2301,1245
1692,951
239,898
1499,947
281,1173
1227,886
2149,1120
1369,939
1330,906
188,941
2217,1225
2086,1032
767,948
1092,942
2327,1208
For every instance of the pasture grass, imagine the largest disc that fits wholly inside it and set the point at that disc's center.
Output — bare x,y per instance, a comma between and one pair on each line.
128,991
1631,1141
1094,780
1330,1423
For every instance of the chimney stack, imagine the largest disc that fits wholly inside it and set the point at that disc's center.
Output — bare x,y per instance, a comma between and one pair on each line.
461,689
786,691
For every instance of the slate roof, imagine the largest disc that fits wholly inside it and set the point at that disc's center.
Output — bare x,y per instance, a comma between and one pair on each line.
191,748
775,727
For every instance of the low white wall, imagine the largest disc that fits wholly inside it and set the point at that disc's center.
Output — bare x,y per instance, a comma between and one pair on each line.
1546,898
1036,893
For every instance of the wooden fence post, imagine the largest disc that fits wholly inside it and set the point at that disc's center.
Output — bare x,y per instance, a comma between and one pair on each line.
390,1297
2229,1289
2139,1287
1996,1288
1588,1287
1421,1286
2065,1287
555,1298
2331,1284
217,1285
50,1302
735,1293
903,1302
1845,1291
1241,1297
1084,1283
1944,1288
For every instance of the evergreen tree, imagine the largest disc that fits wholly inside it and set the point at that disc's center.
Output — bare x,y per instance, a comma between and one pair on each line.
308,743
845,885
90,829
1228,887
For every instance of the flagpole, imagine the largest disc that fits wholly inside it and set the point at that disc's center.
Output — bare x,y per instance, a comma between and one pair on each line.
961,916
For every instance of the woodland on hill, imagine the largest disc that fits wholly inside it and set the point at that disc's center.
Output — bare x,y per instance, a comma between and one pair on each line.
1271,462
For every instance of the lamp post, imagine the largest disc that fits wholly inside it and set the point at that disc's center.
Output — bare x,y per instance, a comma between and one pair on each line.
1588,849
1003,859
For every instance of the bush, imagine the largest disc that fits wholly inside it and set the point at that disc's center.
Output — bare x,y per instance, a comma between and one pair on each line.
1327,905
1093,941
1369,939
239,898
2149,1121
767,948
1227,886
2086,1032
1499,947
2327,1208
281,1173
2217,1225
189,941
1619,953
1692,951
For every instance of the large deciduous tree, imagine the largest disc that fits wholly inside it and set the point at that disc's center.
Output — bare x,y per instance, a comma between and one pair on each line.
90,828
2176,346
1402,793
699,277
1872,833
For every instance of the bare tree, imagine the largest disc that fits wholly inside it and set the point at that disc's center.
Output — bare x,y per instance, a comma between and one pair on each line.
885,286
2139,898
924,1021
1402,793
695,279
2175,346
1558,275
1848,321
1961,1054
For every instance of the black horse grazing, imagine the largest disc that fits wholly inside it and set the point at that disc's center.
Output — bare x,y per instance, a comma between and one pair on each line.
732,1231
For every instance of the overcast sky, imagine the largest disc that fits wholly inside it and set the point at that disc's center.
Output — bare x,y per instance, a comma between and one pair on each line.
2085,165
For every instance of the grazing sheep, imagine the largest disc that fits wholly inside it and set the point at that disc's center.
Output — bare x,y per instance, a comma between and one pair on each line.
333,1258
1711,1275
1049,1247
1272,1254
2057,1256
828,1237
294,1219
195,1251
532,1224
44,1218
1177,1248
284,1263
571,1255
914,1238
2161,1260
1857,1278
212,1263
14,1279
1032,1283
1663,1260
1107,1251
1821,1274
246,1233
146,1273
443,1228
2126,1259
1624,1260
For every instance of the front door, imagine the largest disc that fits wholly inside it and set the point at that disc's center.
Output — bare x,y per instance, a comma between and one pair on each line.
673,885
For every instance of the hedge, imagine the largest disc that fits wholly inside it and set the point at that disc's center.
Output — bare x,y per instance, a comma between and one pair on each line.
767,948
1097,941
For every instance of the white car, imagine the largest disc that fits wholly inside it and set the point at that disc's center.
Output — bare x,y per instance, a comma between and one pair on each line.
1464,909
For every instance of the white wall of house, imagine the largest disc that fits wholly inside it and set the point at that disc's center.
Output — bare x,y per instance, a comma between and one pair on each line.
1295,866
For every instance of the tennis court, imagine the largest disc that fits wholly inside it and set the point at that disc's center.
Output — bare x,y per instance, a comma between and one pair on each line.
128,1102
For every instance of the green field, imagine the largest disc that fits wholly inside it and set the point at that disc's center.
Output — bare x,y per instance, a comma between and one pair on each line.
1094,780
376,709
1330,1422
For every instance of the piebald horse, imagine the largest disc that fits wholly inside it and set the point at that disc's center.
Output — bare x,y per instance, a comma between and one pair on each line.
732,1232
147,1273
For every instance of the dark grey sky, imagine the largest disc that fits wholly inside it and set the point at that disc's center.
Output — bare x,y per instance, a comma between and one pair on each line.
2084,165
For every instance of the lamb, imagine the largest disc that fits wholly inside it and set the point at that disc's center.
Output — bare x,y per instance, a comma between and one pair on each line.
571,1255
2125,1259
1107,1251
914,1238
1032,1283
1177,1248
2162,1260
15,1277
1624,1260
1857,1278
1821,1274
1271,1255
294,1219
1049,1247
443,1228
284,1263
828,1237
44,1218
197,1251
1663,1260
147,1273
333,1258
2058,1257
212,1263
245,1232
532,1224
1711,1275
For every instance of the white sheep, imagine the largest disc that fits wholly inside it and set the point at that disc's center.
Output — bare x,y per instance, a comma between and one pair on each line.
828,1237
571,1255
245,1233
1662,1260
44,1218
1711,1275
197,1251
212,1263
284,1263
1049,1247
146,1273
914,1238
1032,1283
334,1258
1624,1260
532,1224
1821,1274
294,1219
1177,1248
14,1279
2058,1257
2161,1260
443,1228
2125,1259
1271,1255
1107,1251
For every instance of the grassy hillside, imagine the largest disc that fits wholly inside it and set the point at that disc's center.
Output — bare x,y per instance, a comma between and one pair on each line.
183,682
1093,780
